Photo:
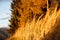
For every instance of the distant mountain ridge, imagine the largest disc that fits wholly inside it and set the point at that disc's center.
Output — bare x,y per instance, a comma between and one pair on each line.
3,33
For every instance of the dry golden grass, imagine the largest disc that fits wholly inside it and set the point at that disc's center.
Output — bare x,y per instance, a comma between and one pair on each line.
28,8
22,10
37,30
43,28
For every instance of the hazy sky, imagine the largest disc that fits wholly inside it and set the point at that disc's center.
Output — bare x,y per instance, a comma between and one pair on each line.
4,12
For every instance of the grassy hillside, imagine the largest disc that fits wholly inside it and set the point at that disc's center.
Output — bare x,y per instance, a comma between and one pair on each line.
35,20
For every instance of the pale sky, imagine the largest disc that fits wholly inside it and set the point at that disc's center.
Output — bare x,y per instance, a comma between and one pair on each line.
5,12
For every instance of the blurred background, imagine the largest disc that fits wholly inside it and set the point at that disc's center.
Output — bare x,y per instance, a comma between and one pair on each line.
5,13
